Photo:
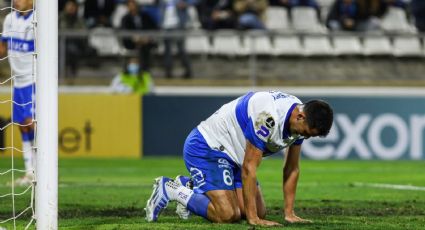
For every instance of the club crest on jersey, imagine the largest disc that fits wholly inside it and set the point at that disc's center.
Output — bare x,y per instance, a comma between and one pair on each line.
263,124
270,122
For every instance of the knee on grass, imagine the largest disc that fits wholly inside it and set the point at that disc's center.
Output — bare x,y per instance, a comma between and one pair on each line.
229,215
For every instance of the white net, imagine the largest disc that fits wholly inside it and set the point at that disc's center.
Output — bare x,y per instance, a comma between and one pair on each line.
16,197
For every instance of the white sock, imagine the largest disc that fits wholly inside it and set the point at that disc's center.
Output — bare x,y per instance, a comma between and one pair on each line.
28,157
178,192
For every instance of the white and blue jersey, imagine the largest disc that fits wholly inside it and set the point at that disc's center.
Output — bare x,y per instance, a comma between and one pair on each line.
260,117
18,32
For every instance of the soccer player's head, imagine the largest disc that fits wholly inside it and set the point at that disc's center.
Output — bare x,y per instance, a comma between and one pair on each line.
318,116
313,118
23,5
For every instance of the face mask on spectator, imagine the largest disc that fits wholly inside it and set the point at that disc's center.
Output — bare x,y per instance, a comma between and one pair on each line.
133,68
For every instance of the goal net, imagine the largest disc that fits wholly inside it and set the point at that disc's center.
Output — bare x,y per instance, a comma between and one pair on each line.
28,186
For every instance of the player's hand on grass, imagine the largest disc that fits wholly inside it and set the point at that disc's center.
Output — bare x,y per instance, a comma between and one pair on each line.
262,222
292,218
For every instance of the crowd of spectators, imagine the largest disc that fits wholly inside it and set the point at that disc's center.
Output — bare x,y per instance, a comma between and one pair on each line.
176,15
353,15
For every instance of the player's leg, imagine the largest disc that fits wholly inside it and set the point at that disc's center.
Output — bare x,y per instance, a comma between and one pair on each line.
223,207
261,206
23,114
181,210
212,175
213,196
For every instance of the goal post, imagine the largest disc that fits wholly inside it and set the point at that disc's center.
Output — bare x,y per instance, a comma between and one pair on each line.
46,189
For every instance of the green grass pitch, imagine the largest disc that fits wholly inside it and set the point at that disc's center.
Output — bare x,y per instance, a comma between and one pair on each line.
111,194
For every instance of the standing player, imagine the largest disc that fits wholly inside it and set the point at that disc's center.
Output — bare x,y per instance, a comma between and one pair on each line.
223,152
17,42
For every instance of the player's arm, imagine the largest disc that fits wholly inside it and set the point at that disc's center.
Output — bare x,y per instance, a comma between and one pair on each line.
252,160
291,171
3,49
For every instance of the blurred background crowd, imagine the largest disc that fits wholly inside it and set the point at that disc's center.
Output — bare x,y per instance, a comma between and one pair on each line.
101,38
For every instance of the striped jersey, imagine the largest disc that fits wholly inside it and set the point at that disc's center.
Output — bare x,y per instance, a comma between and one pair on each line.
260,117
18,32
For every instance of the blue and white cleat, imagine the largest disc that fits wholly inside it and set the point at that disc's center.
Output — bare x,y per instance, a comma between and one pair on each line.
158,200
181,210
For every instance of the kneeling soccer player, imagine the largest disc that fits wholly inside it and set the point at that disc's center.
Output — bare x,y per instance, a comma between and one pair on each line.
223,152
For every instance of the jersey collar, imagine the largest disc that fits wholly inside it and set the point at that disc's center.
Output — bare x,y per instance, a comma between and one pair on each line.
24,16
286,132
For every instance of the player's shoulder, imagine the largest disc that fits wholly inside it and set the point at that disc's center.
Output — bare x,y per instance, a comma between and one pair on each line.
8,17
275,96
281,96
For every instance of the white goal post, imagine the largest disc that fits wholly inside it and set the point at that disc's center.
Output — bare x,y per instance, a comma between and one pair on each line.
46,189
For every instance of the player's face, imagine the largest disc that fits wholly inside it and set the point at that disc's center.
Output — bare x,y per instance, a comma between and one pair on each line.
300,127
304,130
22,4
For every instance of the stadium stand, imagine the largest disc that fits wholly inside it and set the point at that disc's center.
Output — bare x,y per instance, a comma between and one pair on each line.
294,32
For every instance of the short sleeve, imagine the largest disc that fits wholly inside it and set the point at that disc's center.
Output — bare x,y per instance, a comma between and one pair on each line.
5,35
262,121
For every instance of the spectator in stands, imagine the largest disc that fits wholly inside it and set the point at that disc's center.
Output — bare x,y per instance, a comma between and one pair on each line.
74,48
343,15
251,13
137,19
417,8
132,79
396,3
217,14
174,16
98,12
284,3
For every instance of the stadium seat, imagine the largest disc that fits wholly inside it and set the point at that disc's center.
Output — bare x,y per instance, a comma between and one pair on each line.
395,20
347,45
277,18
304,19
105,41
198,44
287,45
325,7
317,46
193,22
377,45
258,43
227,42
405,46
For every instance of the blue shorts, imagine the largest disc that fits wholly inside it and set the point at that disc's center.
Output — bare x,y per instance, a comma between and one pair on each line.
23,107
210,169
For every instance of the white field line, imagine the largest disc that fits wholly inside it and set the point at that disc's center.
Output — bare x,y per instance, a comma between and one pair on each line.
390,186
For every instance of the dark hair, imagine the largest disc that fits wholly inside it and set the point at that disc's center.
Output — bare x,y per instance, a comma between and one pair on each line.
319,116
